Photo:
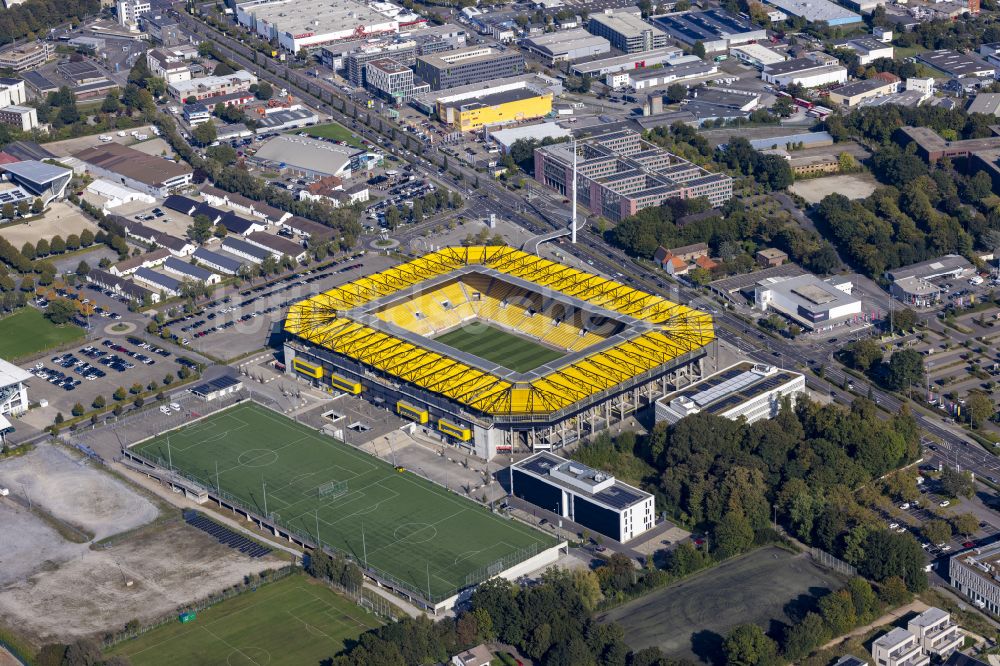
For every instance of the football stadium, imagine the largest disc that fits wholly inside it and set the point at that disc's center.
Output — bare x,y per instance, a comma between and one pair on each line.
496,349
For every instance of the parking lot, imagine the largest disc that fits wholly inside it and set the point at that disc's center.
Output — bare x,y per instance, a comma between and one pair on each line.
239,321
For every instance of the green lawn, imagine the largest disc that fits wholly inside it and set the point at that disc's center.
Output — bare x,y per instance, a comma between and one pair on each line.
334,131
293,621
27,332
496,345
401,525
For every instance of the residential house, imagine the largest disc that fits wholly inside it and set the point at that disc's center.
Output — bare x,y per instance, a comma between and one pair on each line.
936,633
770,257
898,648
148,260
690,252
477,656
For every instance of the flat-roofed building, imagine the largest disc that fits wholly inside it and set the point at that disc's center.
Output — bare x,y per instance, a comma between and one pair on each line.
627,31
309,24
389,80
212,86
474,64
744,390
591,498
717,29
505,138
808,301
947,266
649,78
496,109
22,118
958,65
805,72
566,45
915,292
167,66
898,648
854,94
26,56
936,633
13,389
604,66
868,49
309,157
976,574
429,102
757,55
12,92
134,169
819,11
620,173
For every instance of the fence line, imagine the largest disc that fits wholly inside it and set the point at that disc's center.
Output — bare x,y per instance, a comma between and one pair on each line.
830,562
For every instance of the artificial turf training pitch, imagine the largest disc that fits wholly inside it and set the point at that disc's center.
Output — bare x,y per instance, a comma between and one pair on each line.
292,621
496,345
416,532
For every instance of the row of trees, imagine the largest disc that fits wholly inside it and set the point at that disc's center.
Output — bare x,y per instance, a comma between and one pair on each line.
37,17
44,248
8,211
550,622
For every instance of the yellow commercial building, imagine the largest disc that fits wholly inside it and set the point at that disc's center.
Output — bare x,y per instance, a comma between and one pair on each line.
502,108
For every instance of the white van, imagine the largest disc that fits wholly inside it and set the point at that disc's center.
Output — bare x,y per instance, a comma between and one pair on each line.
174,406
165,409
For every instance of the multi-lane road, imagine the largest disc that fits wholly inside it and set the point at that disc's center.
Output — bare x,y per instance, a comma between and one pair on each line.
540,215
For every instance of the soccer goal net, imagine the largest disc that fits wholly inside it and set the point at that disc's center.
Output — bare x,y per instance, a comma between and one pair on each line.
332,489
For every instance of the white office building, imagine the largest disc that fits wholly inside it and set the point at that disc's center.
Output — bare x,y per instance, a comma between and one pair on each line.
808,301
588,497
751,391
129,11
805,72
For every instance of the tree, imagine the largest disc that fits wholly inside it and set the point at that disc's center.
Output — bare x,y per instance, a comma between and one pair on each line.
60,311
698,49
747,645
205,133
222,69
904,320
264,91
28,283
955,483
201,229
99,402
837,611
72,243
120,394
7,211
894,592
86,238
676,93
111,103
937,531
978,408
733,534
863,354
77,410
82,268
905,368
37,206
965,524
888,554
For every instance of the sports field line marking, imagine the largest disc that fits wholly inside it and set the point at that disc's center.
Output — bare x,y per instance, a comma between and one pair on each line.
231,646
434,524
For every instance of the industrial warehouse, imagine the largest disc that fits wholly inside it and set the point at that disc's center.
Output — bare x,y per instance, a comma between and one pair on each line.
461,341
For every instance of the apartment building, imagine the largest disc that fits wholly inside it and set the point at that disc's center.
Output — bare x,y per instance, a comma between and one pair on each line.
620,174
898,648
936,633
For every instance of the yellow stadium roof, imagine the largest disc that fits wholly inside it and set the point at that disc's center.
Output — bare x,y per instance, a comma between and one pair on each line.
671,330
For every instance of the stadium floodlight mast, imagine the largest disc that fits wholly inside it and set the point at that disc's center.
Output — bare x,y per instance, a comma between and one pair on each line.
264,486
572,198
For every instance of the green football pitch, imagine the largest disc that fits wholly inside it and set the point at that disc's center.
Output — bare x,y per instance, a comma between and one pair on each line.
496,345
292,621
398,523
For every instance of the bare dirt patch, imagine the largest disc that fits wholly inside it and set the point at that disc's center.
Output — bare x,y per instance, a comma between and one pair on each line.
851,185
61,219
29,545
170,565
71,489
